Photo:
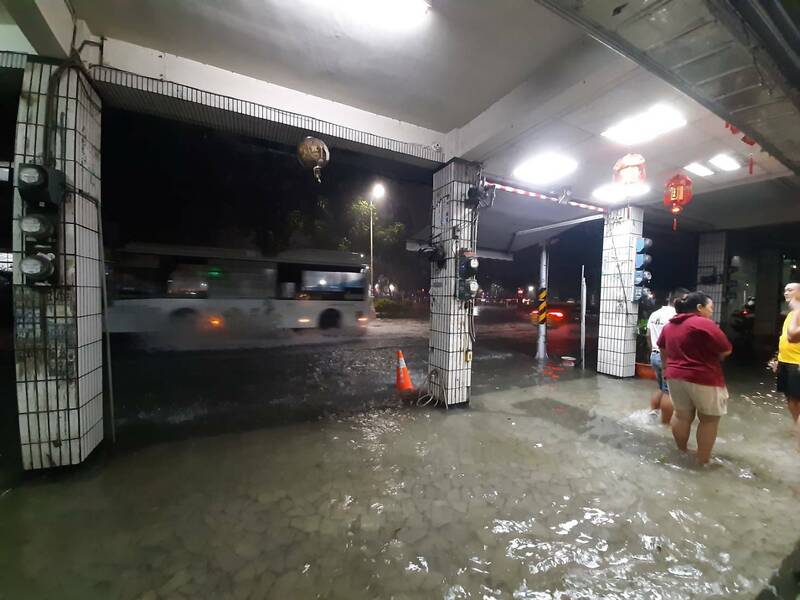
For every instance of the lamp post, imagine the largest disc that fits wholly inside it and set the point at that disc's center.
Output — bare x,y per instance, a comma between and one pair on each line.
378,192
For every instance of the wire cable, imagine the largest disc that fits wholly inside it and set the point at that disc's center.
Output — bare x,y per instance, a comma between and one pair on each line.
471,312
426,397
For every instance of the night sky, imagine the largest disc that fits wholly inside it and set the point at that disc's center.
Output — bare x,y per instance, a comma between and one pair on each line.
10,84
173,183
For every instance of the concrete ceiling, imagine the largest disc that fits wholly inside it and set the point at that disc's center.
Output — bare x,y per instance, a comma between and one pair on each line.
737,58
772,202
576,132
440,73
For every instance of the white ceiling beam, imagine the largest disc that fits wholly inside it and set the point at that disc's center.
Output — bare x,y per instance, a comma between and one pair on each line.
47,24
414,246
162,65
13,40
581,74
569,223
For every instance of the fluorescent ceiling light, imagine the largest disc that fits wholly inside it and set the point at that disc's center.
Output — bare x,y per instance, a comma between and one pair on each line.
725,162
655,121
391,14
613,193
545,168
698,169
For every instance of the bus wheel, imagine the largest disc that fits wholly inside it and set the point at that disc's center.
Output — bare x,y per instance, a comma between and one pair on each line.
183,320
330,319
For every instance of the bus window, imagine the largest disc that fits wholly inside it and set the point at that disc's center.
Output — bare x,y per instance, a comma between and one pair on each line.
188,281
136,282
241,281
333,284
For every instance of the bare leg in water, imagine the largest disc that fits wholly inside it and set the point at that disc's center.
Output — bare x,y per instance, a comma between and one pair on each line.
706,436
655,400
682,427
666,409
794,409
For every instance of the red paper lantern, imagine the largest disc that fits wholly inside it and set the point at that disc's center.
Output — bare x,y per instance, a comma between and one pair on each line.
677,194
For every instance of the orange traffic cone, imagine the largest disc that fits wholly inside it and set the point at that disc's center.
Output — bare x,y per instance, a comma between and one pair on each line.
403,382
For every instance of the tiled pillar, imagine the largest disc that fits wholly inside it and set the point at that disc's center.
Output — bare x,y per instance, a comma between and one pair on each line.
58,337
453,227
711,267
618,314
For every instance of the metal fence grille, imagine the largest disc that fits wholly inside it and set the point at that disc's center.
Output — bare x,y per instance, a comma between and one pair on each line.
13,60
711,269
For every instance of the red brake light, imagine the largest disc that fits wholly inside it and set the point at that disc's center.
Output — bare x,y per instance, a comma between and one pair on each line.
556,314
745,312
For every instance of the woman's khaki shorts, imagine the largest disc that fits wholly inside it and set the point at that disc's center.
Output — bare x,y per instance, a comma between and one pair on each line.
706,399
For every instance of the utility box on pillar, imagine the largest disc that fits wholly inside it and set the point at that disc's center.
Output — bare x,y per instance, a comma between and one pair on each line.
641,276
43,190
467,273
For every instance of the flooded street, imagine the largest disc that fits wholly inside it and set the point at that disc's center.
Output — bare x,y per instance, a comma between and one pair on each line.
542,489
371,299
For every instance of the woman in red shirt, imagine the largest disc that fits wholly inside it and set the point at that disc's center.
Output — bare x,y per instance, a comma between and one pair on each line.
692,347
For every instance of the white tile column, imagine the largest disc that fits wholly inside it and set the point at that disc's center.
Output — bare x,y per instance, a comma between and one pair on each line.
58,330
618,314
711,267
453,227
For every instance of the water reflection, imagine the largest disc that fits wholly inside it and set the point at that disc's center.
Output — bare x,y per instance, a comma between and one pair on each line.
584,502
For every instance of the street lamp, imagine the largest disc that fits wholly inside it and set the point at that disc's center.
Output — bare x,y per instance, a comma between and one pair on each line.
378,192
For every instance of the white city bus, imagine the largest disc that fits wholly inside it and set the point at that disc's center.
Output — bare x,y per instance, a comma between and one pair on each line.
159,288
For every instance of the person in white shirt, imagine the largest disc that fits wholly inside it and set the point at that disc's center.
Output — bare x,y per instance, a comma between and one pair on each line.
660,398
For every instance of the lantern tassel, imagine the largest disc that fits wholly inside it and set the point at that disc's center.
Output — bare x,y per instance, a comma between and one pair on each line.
675,224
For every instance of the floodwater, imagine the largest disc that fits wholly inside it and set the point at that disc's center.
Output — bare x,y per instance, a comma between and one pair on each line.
567,489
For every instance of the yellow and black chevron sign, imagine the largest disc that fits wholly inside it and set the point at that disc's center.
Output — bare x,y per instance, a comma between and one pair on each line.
542,307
